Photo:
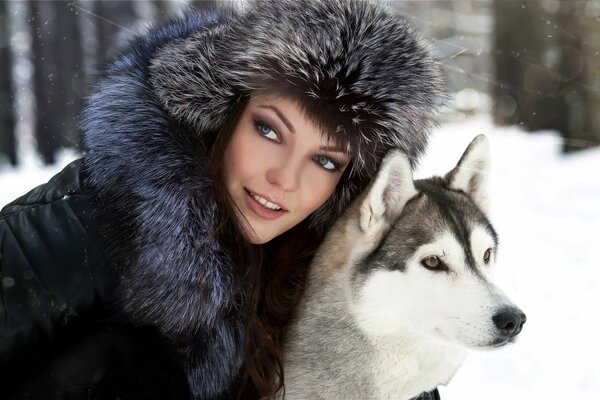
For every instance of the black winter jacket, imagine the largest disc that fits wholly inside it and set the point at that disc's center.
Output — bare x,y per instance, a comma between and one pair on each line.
60,335
112,261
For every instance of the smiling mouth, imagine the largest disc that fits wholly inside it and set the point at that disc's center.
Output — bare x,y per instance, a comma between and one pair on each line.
268,205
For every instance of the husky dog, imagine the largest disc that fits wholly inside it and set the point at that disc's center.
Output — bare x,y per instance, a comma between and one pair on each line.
401,287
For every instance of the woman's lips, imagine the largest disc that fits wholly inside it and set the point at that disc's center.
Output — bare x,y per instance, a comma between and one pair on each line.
261,211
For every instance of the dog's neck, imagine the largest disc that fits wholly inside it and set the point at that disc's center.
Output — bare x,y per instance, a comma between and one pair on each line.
324,345
405,364
392,367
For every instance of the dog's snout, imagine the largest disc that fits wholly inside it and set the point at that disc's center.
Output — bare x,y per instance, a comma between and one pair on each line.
510,322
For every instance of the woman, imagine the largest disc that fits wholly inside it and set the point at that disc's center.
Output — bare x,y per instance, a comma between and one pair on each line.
219,148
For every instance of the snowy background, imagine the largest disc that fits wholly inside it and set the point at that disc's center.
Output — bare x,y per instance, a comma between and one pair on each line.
546,209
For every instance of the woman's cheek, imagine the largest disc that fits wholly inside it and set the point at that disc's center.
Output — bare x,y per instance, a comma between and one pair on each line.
319,187
253,153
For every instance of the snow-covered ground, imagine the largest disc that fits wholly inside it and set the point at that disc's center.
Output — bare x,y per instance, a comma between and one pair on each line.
546,209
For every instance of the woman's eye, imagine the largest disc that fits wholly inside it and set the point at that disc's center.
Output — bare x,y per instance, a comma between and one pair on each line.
326,163
266,131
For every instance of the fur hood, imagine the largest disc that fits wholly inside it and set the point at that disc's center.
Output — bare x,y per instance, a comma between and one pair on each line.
353,62
360,72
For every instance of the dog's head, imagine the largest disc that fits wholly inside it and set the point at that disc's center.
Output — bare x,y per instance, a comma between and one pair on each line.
424,254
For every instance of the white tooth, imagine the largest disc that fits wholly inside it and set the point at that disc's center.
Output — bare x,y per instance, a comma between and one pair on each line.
258,199
272,206
265,203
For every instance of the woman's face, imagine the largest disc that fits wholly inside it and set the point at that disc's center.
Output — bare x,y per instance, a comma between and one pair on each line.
278,167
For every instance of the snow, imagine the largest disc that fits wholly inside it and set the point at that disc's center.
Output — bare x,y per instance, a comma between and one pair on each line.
545,207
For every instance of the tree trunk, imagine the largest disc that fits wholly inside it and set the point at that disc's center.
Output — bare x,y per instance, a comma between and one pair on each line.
57,78
113,21
526,87
7,111
578,62
546,69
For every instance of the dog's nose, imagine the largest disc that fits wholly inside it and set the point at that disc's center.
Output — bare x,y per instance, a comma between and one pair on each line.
510,322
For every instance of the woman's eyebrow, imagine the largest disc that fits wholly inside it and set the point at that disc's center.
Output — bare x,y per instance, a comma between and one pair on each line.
280,115
334,149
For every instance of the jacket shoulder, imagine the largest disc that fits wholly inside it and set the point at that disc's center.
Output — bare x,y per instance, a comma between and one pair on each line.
51,268
67,182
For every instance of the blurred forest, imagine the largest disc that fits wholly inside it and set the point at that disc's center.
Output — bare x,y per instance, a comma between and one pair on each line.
533,63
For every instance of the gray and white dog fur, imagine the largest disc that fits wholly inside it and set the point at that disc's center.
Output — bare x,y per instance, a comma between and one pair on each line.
401,287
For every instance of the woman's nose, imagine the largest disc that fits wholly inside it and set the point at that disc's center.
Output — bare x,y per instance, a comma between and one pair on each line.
285,175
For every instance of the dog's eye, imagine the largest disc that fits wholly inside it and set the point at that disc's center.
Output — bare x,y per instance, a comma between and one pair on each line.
431,262
487,255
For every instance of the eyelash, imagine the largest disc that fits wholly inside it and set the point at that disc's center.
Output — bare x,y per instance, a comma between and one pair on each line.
336,164
259,124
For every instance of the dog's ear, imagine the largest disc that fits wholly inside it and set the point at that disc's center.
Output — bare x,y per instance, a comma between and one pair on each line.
471,174
388,194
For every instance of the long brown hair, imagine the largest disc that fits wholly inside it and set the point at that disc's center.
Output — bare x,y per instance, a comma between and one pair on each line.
271,276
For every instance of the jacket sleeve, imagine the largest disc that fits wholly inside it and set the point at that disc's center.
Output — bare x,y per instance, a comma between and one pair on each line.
48,266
